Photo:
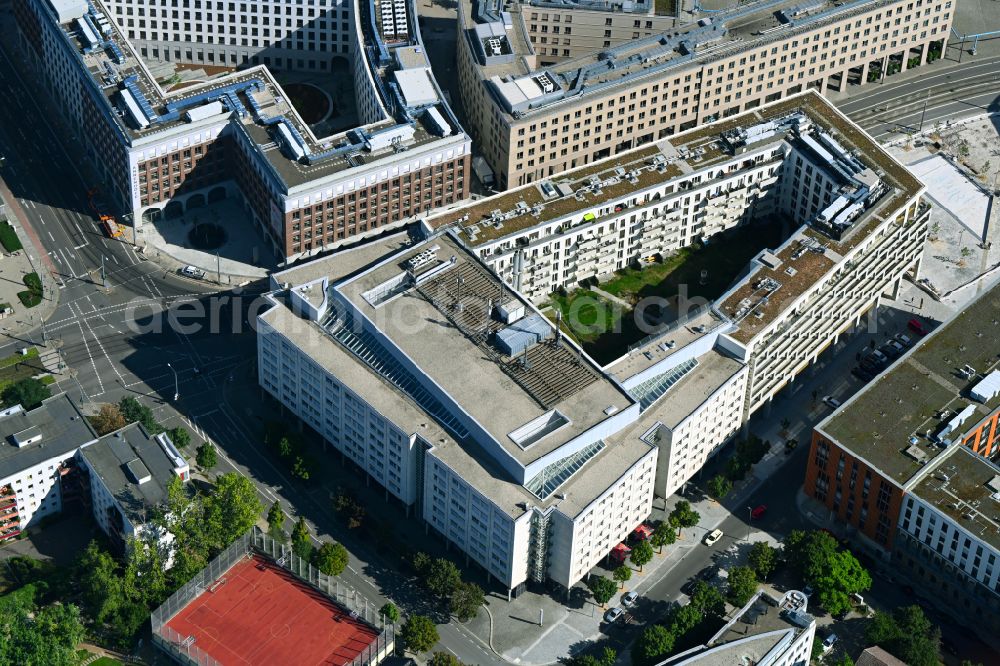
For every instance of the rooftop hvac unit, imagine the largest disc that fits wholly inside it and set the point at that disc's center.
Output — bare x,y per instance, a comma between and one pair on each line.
545,83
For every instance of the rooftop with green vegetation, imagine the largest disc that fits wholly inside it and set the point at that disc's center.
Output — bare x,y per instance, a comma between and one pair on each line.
895,422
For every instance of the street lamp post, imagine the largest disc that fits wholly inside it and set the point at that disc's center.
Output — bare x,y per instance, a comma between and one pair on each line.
749,522
176,385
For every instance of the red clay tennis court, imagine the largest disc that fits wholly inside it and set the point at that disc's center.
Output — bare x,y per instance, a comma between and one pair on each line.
258,613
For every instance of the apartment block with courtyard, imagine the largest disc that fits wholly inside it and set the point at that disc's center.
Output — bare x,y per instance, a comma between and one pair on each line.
534,115
163,142
373,348
907,468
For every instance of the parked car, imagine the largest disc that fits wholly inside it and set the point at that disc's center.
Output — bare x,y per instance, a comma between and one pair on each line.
712,537
758,511
863,374
879,356
903,339
829,642
613,614
890,351
629,598
790,445
917,326
830,401
897,345
873,364
192,272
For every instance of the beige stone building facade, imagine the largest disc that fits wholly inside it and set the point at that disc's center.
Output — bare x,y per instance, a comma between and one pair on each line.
532,120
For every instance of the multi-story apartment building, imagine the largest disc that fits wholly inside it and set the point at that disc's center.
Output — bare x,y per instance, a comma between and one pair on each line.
859,226
373,348
517,488
35,460
129,472
897,466
765,632
162,147
532,120
561,30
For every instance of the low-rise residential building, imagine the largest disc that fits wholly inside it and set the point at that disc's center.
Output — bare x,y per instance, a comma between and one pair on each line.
36,457
129,472
900,466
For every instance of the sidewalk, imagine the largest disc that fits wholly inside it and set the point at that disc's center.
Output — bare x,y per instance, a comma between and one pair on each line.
25,320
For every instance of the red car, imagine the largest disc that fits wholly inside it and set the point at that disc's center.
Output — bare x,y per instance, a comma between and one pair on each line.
759,512
916,326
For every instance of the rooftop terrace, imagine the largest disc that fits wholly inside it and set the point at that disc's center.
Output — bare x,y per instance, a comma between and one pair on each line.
896,421
549,379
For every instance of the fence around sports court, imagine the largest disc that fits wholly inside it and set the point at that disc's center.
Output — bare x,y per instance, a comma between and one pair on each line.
253,542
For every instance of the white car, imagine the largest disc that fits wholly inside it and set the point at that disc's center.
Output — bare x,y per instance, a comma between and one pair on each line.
192,272
831,401
629,598
712,537
830,641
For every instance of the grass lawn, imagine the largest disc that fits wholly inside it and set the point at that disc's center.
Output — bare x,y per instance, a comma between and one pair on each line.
587,316
14,368
724,258
8,237
106,661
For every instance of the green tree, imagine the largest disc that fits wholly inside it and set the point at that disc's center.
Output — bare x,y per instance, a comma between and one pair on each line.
28,393
707,600
206,456
389,613
842,660
443,577
231,509
301,541
841,576
642,553
276,522
622,575
465,601
32,636
763,558
419,633
99,583
331,559
180,436
144,580
907,634
605,657
684,516
136,412
808,552
602,588
421,563
684,619
653,645
719,486
742,585
665,534
444,659
301,468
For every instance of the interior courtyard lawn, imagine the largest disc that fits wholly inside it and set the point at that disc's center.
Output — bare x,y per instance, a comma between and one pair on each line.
586,315
725,257
606,330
